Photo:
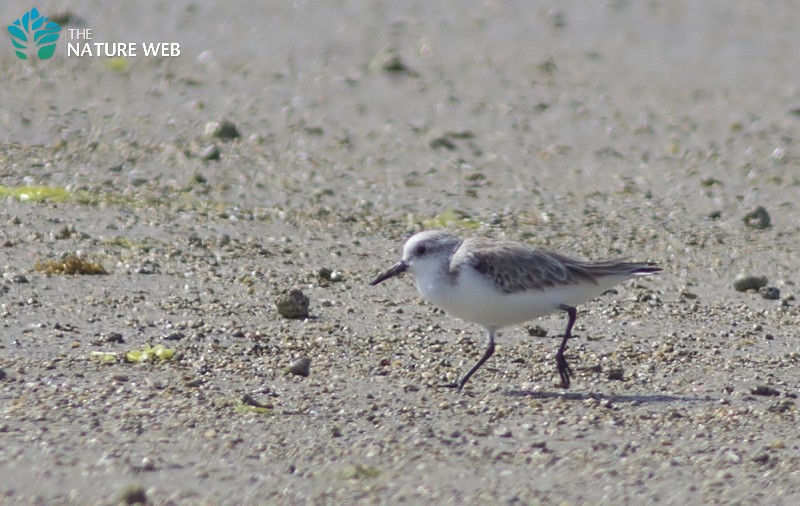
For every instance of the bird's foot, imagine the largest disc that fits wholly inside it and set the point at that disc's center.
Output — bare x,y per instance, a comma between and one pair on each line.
454,385
564,370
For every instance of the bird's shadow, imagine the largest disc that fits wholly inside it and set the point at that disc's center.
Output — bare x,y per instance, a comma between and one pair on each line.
617,399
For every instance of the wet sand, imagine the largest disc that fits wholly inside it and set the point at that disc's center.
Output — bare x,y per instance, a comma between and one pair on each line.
646,130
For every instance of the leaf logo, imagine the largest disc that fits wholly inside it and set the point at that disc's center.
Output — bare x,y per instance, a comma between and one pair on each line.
32,32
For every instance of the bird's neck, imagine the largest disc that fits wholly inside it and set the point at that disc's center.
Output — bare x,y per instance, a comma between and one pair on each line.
434,283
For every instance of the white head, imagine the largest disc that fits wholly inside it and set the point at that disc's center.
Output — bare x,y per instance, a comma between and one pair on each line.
423,254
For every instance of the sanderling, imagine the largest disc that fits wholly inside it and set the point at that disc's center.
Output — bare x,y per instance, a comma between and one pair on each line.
501,283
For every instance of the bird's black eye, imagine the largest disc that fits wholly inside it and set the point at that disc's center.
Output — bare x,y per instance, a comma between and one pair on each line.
420,249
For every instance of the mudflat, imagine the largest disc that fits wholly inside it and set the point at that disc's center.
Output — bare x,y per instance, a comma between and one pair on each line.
295,146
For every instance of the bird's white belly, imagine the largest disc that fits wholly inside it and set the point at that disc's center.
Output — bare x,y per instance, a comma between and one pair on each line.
477,299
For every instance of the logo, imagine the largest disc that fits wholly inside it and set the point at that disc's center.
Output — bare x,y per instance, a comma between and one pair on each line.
34,34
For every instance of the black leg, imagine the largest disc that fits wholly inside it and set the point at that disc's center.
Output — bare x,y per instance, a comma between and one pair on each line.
486,354
564,370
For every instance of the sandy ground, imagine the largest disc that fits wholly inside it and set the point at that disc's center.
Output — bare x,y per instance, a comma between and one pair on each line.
646,129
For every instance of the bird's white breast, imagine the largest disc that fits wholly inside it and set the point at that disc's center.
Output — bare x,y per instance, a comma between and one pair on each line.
473,297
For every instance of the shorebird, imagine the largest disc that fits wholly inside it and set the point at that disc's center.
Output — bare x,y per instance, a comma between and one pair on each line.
498,284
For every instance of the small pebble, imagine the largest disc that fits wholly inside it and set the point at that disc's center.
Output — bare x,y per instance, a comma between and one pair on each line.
147,268
394,64
133,494
783,406
503,432
115,337
443,142
758,218
300,367
764,390
225,130
779,155
210,152
19,279
174,336
744,282
249,400
770,292
537,331
293,305
147,464
616,374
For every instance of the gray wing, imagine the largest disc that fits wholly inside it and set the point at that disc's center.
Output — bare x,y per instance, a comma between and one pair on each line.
516,267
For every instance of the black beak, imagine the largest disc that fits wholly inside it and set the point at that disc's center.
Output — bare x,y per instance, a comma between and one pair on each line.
398,268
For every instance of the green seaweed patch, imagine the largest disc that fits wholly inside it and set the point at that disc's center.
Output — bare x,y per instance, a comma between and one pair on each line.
125,243
71,265
357,472
35,193
448,217
46,194
104,357
249,404
150,353
242,408
118,64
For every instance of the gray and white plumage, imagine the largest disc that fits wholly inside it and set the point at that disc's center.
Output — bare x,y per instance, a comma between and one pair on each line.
502,283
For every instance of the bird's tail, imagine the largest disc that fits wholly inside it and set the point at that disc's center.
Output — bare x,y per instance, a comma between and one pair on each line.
620,268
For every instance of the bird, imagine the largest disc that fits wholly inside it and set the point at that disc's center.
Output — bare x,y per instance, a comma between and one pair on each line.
498,283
